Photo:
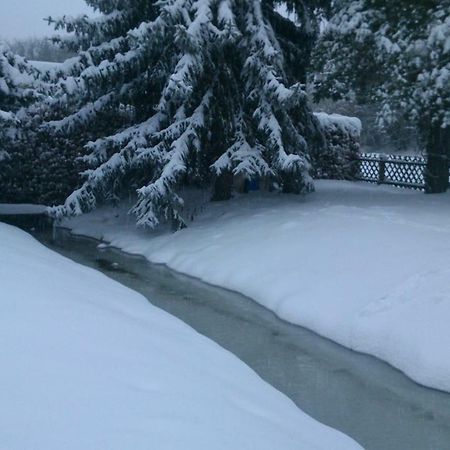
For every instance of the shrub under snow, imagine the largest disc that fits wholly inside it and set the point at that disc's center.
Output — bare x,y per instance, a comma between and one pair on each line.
339,160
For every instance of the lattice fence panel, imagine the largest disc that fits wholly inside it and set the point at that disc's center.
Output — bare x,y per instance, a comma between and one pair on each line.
369,169
403,171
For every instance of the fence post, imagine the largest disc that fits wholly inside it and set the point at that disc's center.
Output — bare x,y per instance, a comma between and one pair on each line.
381,170
437,169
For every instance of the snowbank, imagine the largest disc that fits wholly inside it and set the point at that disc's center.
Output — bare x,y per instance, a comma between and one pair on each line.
350,125
8,209
90,364
366,266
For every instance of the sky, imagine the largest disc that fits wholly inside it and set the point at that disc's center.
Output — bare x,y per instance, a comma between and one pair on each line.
23,18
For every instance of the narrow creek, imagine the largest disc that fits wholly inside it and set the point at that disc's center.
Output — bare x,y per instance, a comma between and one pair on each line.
363,397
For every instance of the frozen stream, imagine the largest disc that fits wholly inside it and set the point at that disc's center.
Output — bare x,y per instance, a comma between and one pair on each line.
357,394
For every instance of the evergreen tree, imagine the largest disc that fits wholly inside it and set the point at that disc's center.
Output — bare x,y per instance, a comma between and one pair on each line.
176,93
397,54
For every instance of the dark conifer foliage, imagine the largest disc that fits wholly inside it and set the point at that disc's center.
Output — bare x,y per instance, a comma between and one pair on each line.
17,90
35,166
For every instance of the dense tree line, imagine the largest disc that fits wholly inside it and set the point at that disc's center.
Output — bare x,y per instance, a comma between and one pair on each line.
39,49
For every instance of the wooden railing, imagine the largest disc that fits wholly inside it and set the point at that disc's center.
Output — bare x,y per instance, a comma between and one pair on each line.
401,171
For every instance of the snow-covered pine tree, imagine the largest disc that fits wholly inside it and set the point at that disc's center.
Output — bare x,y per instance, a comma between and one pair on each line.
396,54
175,93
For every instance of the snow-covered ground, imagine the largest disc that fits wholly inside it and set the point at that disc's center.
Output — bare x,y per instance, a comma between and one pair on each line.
16,209
364,265
89,364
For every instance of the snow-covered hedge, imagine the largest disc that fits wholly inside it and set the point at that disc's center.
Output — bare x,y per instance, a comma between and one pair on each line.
338,160
34,168
37,173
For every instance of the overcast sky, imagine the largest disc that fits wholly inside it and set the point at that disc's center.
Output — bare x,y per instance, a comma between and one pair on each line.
23,18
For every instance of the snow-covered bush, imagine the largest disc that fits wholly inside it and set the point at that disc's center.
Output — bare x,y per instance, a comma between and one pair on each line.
180,93
338,160
39,172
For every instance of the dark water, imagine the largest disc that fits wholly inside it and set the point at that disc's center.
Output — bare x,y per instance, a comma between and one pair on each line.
363,397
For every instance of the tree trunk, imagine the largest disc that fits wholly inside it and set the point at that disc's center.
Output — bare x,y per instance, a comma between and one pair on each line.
438,151
290,184
223,186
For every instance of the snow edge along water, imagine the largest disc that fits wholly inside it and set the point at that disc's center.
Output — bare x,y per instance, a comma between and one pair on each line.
155,370
356,305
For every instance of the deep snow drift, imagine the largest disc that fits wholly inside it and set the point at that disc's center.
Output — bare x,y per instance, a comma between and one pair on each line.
89,364
364,265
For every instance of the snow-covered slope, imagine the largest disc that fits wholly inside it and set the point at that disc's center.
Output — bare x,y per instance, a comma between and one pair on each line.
366,266
89,364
